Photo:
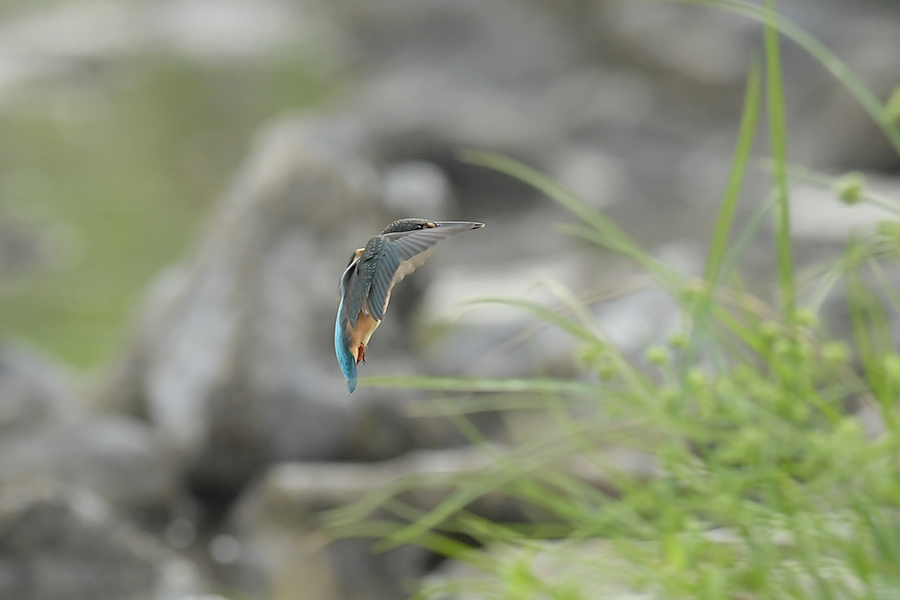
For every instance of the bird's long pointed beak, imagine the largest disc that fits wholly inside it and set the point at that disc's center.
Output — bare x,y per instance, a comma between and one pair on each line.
458,226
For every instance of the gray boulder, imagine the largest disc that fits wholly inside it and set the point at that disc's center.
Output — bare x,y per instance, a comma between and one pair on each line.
34,392
48,434
66,543
120,459
22,246
232,353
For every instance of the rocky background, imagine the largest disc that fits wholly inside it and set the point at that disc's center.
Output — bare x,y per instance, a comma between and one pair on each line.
197,463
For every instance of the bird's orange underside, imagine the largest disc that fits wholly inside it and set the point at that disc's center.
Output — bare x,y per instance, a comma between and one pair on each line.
360,335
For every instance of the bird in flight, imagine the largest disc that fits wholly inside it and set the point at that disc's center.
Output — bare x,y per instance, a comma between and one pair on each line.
370,276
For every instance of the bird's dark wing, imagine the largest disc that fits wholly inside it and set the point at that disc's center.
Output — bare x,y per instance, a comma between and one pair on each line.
401,253
352,294
377,267
410,244
366,281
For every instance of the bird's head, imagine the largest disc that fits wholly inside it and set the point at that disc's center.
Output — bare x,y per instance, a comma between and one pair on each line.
410,224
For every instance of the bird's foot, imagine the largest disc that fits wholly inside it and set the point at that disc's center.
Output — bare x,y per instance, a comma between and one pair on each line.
361,354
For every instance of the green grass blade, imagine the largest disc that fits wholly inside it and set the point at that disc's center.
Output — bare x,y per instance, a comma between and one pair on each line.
778,141
610,233
826,283
486,385
871,328
719,243
745,236
669,278
887,287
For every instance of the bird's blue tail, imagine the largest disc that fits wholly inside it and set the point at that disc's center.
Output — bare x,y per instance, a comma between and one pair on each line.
348,364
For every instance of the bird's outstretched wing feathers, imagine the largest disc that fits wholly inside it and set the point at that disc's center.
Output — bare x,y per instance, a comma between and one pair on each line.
379,264
412,243
387,259
352,298
399,254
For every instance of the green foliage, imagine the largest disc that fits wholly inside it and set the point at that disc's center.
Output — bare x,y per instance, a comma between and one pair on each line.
778,141
768,482
850,188
719,244
119,168
892,106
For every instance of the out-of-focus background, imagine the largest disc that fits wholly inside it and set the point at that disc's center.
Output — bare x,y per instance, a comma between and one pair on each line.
182,182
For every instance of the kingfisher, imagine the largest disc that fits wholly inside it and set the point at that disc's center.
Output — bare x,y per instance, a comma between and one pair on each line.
370,276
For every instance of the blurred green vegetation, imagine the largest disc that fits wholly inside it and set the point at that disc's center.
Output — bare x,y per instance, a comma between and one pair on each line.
118,164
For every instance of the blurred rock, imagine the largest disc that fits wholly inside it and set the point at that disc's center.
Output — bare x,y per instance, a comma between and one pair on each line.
484,335
417,187
818,215
65,543
593,175
499,42
34,392
521,81
299,491
700,56
232,355
829,127
286,552
216,31
123,461
53,40
47,434
696,44
21,246
419,113
492,339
